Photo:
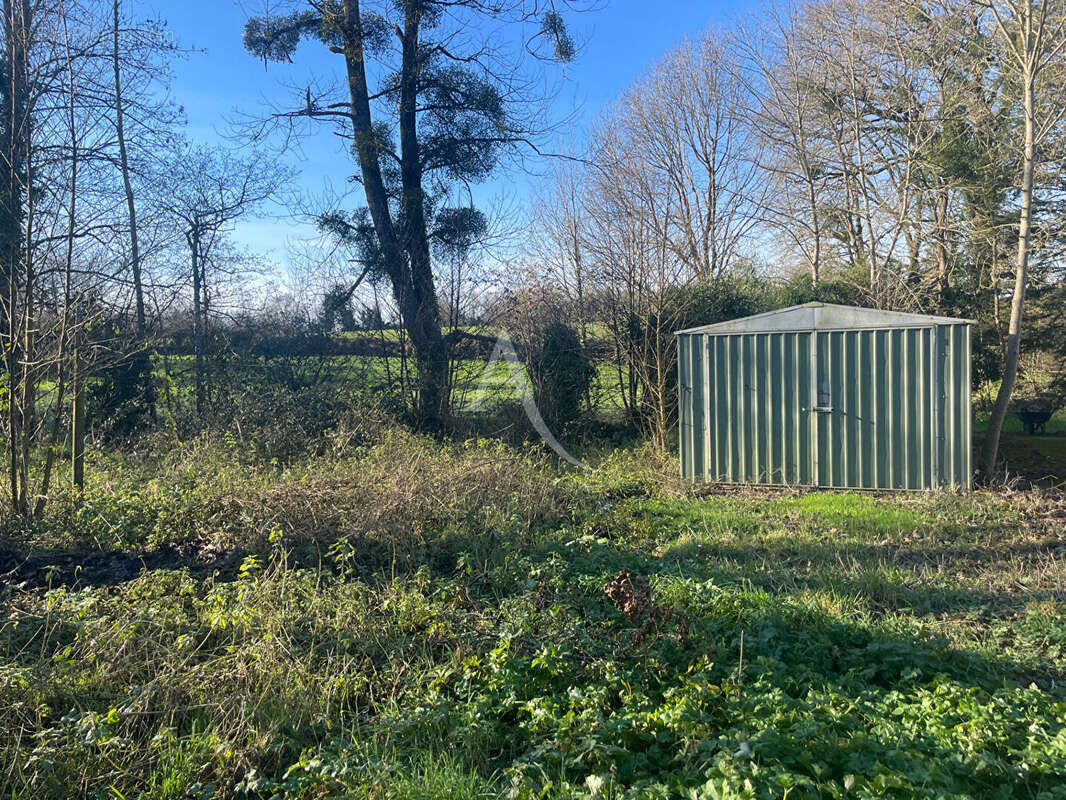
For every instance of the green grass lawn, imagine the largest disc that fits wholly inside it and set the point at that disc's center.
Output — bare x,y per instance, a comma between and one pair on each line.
410,619
1055,425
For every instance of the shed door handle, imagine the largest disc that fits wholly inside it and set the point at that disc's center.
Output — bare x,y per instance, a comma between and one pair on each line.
823,409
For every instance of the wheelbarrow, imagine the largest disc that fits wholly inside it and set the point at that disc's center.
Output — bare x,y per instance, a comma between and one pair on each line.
1033,418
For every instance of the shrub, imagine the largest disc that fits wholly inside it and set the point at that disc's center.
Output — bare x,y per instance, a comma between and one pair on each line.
122,399
561,374
724,298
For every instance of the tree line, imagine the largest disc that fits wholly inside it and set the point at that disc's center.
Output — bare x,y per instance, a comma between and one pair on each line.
116,229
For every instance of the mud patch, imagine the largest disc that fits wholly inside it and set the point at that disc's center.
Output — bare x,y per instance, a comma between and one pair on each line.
39,569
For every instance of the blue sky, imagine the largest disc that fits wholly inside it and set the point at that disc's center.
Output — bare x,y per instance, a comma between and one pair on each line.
621,41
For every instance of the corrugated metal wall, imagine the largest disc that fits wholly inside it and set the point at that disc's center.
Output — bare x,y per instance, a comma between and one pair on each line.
884,408
758,385
954,421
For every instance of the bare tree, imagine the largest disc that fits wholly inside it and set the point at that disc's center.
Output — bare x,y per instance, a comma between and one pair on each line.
209,190
687,131
775,70
1033,36
51,221
558,240
637,275
124,167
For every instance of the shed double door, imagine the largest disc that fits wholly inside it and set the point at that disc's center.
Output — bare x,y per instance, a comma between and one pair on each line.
823,408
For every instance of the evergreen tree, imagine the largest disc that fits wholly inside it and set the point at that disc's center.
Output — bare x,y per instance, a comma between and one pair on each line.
421,74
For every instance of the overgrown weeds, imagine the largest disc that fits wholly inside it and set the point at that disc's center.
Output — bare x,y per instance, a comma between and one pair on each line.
406,618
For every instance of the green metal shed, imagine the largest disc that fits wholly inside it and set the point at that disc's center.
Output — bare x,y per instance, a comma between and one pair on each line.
827,395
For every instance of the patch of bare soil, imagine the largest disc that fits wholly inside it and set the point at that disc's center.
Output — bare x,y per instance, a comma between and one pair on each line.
1037,461
37,569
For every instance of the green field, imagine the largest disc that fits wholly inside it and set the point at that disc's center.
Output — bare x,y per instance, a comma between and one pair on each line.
373,373
405,618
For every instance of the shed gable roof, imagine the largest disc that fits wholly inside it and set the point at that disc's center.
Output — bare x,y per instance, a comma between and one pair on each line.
823,316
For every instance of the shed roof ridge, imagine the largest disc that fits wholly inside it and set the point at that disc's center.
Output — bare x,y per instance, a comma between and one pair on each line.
876,318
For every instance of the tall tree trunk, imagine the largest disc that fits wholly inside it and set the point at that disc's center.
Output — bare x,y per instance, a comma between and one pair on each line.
68,265
940,222
418,293
142,357
1021,269
407,261
77,433
197,319
123,160
29,367
13,128
816,228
